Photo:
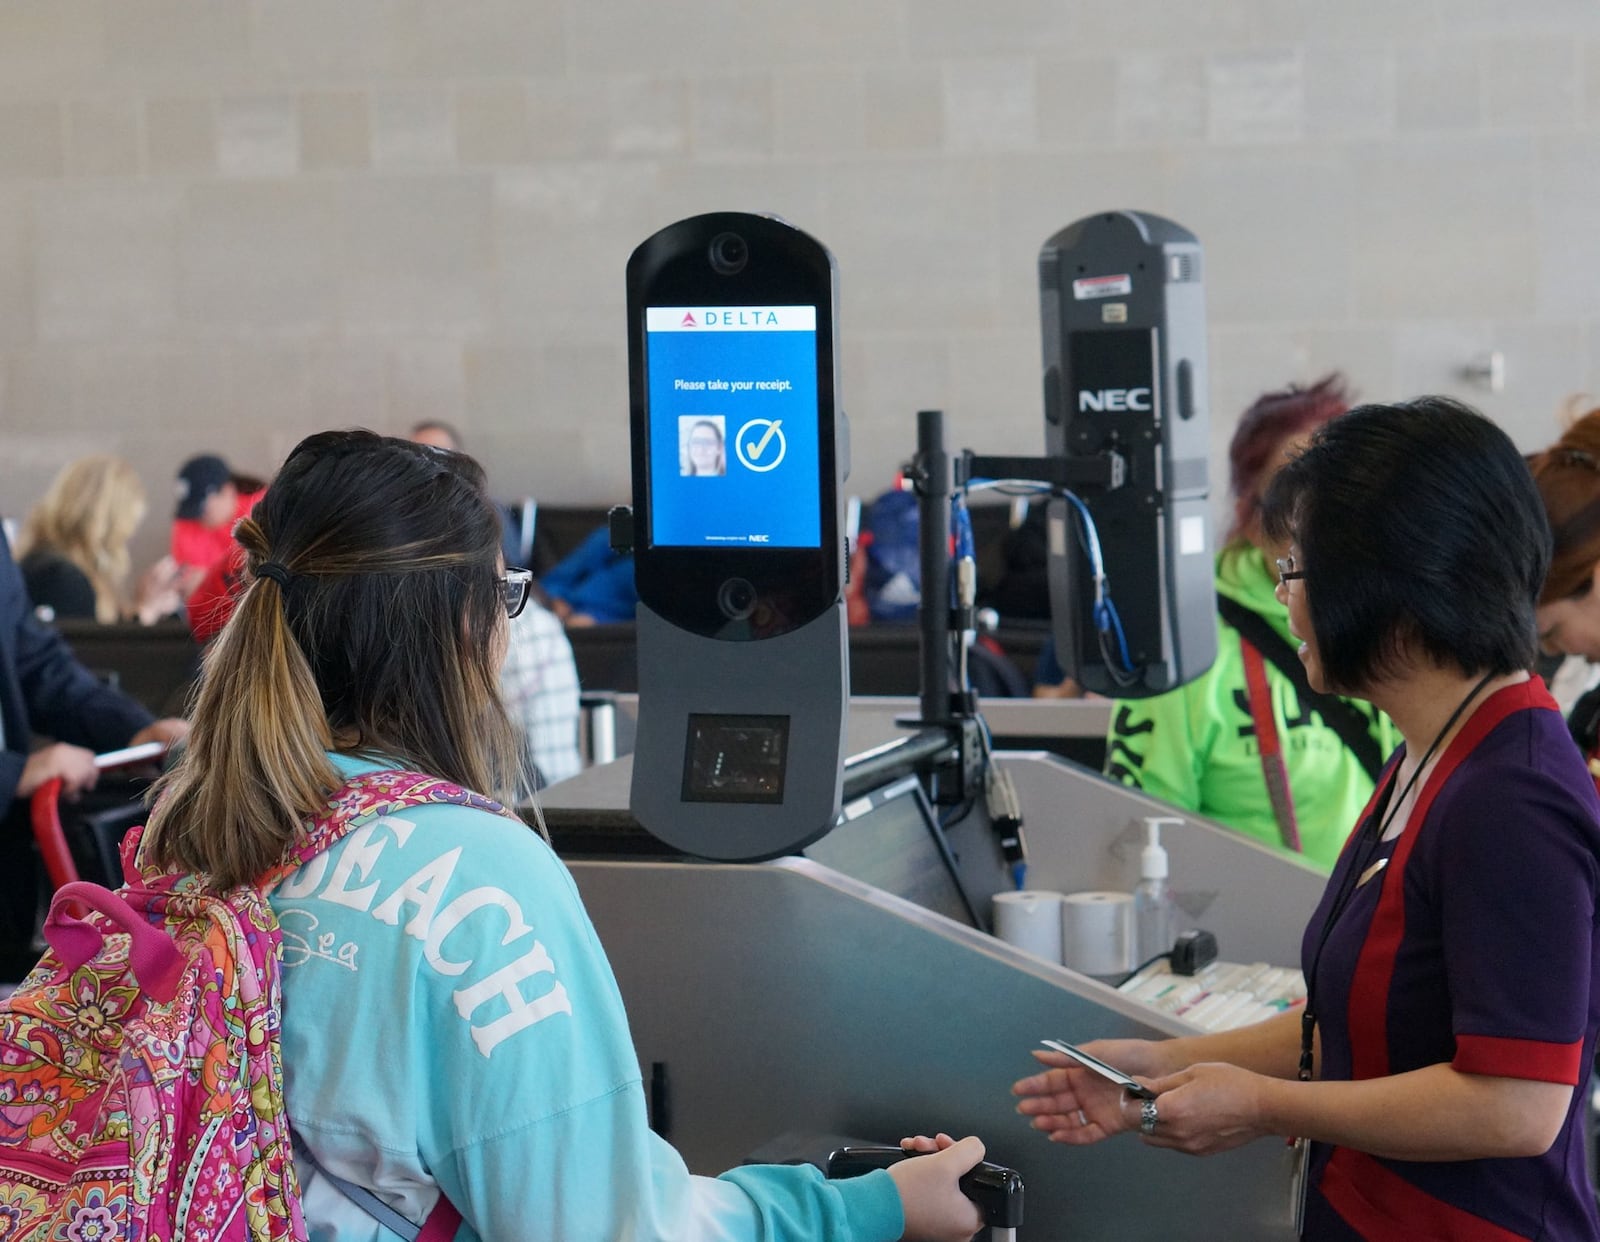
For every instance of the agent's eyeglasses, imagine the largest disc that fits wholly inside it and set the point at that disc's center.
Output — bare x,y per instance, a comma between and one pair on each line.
516,585
1288,571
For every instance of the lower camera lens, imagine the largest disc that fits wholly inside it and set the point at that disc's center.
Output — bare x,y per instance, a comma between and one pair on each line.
737,598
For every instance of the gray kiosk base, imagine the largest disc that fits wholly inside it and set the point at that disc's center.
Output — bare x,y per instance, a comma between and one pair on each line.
786,997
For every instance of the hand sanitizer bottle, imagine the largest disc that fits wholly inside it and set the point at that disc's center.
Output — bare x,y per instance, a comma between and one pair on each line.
1154,915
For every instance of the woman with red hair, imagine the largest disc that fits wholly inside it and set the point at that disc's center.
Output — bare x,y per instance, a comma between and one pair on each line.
1249,743
1568,478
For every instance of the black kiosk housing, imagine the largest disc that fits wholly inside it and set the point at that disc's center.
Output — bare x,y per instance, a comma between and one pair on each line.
743,669
1122,310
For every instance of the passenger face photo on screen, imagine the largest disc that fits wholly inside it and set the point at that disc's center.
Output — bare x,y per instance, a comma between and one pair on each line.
701,441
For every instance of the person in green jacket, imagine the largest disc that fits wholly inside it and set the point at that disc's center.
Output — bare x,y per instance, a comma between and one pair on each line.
1244,744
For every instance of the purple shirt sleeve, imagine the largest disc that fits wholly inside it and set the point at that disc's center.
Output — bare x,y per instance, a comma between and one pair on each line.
1516,896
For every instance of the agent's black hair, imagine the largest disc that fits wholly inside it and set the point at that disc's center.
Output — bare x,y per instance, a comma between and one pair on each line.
1419,530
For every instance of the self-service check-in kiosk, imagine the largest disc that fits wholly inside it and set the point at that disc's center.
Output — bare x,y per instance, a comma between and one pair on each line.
739,453
850,987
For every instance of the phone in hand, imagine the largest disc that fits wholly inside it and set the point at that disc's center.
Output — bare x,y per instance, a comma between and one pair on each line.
1129,1084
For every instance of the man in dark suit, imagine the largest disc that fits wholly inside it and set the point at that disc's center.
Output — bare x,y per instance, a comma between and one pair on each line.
44,691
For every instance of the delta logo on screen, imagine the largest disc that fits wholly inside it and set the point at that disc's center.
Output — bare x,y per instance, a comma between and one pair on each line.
749,318
699,319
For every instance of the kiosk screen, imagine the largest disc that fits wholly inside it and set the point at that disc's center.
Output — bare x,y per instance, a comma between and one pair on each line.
733,426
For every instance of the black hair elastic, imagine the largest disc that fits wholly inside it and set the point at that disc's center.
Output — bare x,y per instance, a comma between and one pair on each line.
275,571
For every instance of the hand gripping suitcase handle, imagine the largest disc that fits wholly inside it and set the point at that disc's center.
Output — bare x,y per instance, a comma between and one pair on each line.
996,1189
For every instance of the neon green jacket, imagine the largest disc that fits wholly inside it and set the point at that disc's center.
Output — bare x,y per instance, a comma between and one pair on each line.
1196,746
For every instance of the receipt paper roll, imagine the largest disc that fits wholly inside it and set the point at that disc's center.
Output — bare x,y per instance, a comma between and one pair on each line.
1031,920
1097,932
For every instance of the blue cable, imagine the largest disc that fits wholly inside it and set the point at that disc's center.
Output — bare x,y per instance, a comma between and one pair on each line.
1096,561
1106,618
1115,628
961,521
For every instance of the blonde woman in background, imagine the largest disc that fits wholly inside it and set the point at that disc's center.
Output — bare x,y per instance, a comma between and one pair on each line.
73,550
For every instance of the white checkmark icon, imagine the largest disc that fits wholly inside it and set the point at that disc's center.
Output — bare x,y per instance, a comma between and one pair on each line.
751,451
761,445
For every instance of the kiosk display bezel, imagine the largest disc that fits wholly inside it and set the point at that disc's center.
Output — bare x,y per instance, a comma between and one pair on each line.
736,592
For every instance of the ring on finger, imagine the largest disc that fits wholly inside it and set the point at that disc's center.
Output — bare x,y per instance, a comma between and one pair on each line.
1148,1116
1083,1118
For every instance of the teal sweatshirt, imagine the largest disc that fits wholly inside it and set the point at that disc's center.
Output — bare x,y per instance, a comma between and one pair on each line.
450,1022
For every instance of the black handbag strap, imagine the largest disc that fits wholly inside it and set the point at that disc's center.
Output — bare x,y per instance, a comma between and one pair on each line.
1351,725
1583,721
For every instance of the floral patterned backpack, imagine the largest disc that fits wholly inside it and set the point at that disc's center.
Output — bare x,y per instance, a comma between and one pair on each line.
141,1076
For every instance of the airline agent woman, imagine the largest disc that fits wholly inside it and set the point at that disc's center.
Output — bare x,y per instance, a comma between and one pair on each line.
1451,963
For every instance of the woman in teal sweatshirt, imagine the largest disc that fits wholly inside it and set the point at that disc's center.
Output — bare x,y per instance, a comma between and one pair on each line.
451,1027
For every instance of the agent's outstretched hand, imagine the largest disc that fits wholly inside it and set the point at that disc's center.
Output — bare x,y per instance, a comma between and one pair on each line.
1074,1105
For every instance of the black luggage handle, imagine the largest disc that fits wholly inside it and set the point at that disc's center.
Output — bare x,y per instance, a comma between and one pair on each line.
996,1189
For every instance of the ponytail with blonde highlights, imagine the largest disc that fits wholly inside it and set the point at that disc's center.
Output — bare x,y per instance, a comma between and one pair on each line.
369,627
257,762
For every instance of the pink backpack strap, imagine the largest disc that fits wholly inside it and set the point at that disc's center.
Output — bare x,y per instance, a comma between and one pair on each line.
442,1222
368,797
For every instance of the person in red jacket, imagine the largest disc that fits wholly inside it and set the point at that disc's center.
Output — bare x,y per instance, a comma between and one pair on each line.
210,501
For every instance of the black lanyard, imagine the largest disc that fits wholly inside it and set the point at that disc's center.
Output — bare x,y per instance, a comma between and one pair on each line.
1362,855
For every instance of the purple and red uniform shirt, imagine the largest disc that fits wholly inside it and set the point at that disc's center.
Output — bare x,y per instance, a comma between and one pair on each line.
1476,944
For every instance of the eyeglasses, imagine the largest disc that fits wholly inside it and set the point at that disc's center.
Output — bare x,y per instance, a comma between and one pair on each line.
1288,571
516,585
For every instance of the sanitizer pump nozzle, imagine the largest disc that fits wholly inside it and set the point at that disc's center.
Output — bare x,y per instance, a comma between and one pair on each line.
1155,917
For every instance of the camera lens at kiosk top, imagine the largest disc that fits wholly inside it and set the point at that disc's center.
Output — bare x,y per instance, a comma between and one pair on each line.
737,598
729,254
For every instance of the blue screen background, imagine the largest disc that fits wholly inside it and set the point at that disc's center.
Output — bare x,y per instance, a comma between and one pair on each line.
778,508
